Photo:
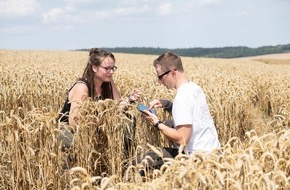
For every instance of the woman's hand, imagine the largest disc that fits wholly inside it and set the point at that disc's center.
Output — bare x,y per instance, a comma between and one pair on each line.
135,95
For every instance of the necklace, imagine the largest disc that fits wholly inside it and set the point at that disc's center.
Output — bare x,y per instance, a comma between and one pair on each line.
98,97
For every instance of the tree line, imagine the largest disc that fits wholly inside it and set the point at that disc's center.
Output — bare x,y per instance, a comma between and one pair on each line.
218,52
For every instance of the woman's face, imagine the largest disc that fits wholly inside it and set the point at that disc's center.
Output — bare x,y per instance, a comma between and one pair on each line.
104,72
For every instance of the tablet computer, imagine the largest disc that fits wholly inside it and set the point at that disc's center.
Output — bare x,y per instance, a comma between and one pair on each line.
142,108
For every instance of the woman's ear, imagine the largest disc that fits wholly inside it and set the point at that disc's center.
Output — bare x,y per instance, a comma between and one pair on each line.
94,68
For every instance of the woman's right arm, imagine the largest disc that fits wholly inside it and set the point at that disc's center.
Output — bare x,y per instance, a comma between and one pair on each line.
77,95
116,93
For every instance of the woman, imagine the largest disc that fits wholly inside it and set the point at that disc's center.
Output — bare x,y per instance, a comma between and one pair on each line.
96,83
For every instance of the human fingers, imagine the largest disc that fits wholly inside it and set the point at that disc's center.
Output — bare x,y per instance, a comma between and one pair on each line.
155,104
150,117
137,91
135,97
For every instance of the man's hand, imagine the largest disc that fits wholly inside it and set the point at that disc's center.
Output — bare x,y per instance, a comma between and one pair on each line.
155,104
161,103
152,118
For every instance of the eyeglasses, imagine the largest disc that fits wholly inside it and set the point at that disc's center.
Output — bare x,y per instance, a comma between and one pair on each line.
108,69
160,77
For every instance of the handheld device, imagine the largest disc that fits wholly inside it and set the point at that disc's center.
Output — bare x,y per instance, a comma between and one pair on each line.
142,108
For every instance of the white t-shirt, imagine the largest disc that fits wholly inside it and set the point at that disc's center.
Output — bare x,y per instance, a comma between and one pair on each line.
190,107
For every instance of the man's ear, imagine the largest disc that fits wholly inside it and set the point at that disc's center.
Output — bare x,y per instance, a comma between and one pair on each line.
173,72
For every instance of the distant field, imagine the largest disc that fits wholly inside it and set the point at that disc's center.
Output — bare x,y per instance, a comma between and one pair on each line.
280,59
270,56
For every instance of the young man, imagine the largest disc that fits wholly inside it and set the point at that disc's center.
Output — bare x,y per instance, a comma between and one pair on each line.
193,126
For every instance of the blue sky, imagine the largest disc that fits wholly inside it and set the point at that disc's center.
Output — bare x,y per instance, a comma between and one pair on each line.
75,24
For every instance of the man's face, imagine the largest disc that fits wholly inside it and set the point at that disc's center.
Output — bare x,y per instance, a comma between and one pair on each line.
164,77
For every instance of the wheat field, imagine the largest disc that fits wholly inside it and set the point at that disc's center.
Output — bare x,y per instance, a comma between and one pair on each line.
249,100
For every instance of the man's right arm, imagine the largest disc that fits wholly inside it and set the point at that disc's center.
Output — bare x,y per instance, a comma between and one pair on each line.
166,104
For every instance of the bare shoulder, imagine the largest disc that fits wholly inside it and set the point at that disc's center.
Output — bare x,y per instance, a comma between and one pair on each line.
80,86
79,91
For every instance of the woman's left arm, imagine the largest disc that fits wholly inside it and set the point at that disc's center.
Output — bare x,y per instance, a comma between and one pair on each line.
133,97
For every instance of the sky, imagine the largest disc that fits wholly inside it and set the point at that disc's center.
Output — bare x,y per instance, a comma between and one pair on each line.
77,24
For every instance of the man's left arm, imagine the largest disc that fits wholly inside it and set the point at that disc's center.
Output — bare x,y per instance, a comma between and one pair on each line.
180,135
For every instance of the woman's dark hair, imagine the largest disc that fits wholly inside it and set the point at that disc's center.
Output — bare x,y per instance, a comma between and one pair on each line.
96,57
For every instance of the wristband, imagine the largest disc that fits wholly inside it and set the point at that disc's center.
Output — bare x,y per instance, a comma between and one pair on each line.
166,104
129,100
157,124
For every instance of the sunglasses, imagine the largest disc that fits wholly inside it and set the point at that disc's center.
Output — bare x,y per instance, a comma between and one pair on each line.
160,77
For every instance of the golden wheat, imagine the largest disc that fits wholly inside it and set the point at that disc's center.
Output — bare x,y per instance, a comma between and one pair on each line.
249,101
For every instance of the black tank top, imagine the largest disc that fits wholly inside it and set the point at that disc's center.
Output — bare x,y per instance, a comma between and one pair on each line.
64,113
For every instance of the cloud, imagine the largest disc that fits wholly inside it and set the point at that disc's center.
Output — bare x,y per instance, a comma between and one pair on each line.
102,14
71,13
62,15
209,2
243,14
20,30
132,10
165,9
79,1
52,15
17,8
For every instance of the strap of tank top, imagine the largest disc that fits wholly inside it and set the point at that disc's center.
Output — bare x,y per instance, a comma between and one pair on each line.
81,81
